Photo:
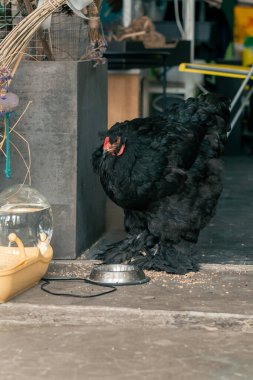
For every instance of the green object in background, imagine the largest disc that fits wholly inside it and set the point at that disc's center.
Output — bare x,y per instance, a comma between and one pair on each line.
248,42
228,8
111,12
229,55
2,10
247,54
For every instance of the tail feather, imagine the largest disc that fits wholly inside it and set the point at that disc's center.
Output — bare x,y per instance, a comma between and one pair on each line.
219,107
204,110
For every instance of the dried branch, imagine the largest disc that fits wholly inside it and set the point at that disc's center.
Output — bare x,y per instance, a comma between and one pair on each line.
17,40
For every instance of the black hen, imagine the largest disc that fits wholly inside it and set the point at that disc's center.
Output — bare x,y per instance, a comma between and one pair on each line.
165,172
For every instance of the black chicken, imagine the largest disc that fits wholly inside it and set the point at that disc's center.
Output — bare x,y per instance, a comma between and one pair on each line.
165,172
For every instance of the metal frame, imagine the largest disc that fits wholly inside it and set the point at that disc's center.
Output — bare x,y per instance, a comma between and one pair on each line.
189,23
127,12
244,102
188,18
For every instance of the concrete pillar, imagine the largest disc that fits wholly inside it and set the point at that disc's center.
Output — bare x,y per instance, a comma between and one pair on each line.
69,108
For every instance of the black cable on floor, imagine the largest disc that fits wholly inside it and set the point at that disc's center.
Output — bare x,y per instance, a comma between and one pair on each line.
47,282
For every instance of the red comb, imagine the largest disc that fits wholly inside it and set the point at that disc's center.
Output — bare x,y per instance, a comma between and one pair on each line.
106,143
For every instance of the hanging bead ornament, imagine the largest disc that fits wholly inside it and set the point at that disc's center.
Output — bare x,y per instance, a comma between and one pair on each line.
8,102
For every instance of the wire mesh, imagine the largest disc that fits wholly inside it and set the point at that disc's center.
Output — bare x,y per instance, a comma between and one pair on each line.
68,36
66,39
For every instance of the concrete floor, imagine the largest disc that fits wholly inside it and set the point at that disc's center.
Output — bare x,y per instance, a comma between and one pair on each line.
193,327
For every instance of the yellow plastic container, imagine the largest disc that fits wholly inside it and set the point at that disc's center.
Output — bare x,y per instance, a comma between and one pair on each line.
21,268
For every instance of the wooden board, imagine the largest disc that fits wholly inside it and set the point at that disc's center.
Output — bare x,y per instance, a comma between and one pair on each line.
123,97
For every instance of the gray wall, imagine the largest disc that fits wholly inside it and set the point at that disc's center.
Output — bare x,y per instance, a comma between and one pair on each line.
69,109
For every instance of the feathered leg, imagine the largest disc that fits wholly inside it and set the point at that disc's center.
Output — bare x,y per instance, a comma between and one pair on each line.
178,259
125,251
137,243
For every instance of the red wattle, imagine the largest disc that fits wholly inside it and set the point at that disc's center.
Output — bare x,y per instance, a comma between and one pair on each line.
121,150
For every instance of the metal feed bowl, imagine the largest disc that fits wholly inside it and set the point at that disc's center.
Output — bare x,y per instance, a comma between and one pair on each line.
118,274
